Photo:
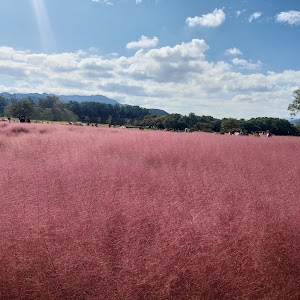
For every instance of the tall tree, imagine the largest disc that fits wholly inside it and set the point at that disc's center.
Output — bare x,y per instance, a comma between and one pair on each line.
23,107
3,103
230,125
294,107
50,102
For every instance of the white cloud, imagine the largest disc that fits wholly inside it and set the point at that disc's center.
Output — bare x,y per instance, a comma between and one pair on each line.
178,79
107,2
233,51
242,98
291,17
169,64
143,42
138,1
244,64
214,19
255,16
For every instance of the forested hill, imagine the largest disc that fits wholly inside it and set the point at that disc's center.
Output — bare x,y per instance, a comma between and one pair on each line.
52,108
79,98
157,112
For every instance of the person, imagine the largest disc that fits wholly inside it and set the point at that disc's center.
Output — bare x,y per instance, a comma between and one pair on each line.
22,119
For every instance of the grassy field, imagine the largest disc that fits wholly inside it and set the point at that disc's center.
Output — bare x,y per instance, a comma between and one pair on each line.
105,213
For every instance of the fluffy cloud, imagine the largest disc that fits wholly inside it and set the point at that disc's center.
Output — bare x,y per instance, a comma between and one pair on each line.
291,17
214,19
244,64
169,64
233,51
177,79
143,42
255,16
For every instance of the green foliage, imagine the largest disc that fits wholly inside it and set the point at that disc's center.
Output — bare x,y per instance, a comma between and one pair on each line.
230,125
55,114
174,121
52,109
179,122
111,114
216,125
210,124
274,125
294,107
109,120
23,107
250,126
203,126
3,103
50,102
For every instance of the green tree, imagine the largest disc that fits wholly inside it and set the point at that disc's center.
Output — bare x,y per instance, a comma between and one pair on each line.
294,107
274,125
204,126
3,103
250,126
230,124
50,102
217,125
23,107
172,121
191,120
55,114
109,120
282,127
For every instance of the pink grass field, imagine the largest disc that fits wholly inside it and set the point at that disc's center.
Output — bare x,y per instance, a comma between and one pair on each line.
98,213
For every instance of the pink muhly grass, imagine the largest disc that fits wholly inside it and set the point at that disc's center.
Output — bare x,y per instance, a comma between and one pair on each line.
97,213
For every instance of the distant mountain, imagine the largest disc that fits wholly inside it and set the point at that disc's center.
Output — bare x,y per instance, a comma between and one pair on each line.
35,97
294,121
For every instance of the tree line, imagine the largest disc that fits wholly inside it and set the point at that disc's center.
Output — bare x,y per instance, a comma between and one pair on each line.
51,108
209,124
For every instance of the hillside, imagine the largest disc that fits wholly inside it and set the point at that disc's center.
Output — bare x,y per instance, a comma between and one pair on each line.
157,112
64,98
77,98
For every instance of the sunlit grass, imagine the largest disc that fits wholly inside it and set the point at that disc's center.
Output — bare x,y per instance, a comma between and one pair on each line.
105,213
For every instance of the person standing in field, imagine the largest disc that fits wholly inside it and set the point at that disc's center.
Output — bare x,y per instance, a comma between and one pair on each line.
22,119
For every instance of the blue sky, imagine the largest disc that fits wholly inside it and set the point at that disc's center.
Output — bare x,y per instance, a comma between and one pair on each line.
221,58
